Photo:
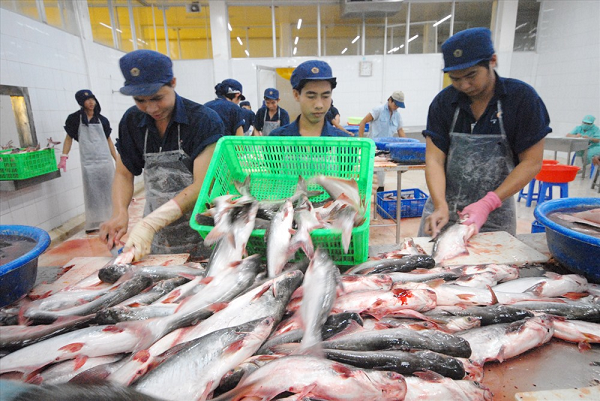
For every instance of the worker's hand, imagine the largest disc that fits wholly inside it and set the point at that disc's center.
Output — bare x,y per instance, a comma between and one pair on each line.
477,213
113,230
436,221
62,164
140,238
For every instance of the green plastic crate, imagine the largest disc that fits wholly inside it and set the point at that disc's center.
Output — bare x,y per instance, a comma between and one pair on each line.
274,164
20,166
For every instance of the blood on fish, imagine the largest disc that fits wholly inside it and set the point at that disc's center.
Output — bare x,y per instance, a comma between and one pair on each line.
73,347
403,295
344,371
113,329
142,356
235,346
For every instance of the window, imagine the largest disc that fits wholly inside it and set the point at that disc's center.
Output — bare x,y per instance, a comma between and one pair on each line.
526,28
15,107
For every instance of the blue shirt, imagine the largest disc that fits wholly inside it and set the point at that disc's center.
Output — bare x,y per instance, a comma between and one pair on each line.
199,127
293,129
230,113
282,116
526,120
384,125
249,118
72,123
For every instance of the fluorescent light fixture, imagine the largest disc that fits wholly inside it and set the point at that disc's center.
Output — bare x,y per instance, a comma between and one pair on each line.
296,41
520,26
229,27
240,41
299,23
247,53
295,50
355,39
345,50
413,38
110,27
442,20
401,46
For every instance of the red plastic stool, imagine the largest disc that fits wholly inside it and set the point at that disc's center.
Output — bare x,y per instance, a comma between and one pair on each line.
531,194
558,175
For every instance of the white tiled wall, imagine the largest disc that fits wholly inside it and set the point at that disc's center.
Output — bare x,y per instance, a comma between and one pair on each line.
54,65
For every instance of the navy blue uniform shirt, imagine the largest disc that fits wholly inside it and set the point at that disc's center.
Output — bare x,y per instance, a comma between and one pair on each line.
72,123
283,117
331,113
199,127
526,120
249,118
293,129
230,113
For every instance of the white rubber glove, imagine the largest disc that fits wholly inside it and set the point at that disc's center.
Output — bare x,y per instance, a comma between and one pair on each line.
140,238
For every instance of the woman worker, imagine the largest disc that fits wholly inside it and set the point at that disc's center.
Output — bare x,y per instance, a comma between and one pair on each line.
312,83
229,95
171,139
96,153
270,116
485,139
587,129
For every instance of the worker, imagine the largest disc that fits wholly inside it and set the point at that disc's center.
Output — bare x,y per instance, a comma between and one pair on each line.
270,116
249,117
485,139
171,139
589,130
229,95
333,116
312,84
385,121
97,155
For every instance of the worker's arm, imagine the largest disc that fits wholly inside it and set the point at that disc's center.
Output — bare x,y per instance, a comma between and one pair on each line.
239,131
62,164
361,127
401,133
574,135
435,175
112,149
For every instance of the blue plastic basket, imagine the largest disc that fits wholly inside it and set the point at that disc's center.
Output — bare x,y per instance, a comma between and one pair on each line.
408,207
383,143
407,152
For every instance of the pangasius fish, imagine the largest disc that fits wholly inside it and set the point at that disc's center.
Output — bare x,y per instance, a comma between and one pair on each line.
452,242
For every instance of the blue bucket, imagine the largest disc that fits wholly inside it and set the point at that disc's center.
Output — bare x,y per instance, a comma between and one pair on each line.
576,251
18,276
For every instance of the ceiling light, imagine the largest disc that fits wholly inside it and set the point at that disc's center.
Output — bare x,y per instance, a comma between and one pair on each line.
296,41
229,27
520,26
413,38
110,27
442,20
240,41
247,53
345,50
299,23
355,39
295,50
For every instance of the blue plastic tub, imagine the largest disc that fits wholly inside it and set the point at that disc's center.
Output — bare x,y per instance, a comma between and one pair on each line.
576,251
407,152
18,276
383,143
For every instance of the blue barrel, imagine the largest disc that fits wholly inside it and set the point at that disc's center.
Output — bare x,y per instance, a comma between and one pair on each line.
383,142
18,276
407,152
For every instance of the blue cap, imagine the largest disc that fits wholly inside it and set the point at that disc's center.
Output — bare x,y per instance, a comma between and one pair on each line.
232,86
244,103
589,119
271,93
467,48
145,72
82,95
313,70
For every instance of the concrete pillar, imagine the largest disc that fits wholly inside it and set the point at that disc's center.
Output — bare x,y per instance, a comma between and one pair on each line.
504,22
219,17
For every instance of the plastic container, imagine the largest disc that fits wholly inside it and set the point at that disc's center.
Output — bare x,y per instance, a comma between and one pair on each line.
20,166
354,120
412,207
18,276
384,142
557,173
352,128
537,227
274,164
407,152
574,250
550,161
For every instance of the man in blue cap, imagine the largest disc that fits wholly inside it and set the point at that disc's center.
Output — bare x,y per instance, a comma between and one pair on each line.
485,139
270,116
589,130
227,105
249,117
312,83
170,139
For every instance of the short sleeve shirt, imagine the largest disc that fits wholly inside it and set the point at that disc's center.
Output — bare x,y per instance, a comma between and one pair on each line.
525,118
262,115
230,113
293,129
73,120
198,125
384,125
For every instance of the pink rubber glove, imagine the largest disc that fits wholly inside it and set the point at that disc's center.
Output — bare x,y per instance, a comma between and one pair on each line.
477,213
63,163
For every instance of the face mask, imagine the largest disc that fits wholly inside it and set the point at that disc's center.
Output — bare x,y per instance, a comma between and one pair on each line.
586,127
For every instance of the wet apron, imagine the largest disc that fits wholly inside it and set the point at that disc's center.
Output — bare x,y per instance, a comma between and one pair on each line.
98,171
477,164
165,175
269,126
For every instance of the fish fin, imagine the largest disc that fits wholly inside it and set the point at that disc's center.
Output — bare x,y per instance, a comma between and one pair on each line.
494,298
500,357
575,295
80,360
214,235
285,349
552,275
206,280
429,375
583,346
172,296
217,306
73,347
436,282
206,392
536,289
34,379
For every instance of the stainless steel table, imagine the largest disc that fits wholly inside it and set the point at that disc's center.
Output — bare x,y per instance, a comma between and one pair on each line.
399,169
569,145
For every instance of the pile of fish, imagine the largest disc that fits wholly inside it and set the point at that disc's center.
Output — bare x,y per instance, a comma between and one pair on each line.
398,327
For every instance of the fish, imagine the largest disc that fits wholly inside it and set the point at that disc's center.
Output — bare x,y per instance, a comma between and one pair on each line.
424,275
481,276
402,362
319,378
503,341
307,221
551,285
344,220
279,239
452,242
426,387
63,372
404,265
401,339
195,371
336,187
88,391
487,315
18,336
577,331
120,313
112,273
160,289
582,309
320,291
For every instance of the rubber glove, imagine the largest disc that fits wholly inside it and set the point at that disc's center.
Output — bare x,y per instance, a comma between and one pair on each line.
140,238
477,213
63,162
